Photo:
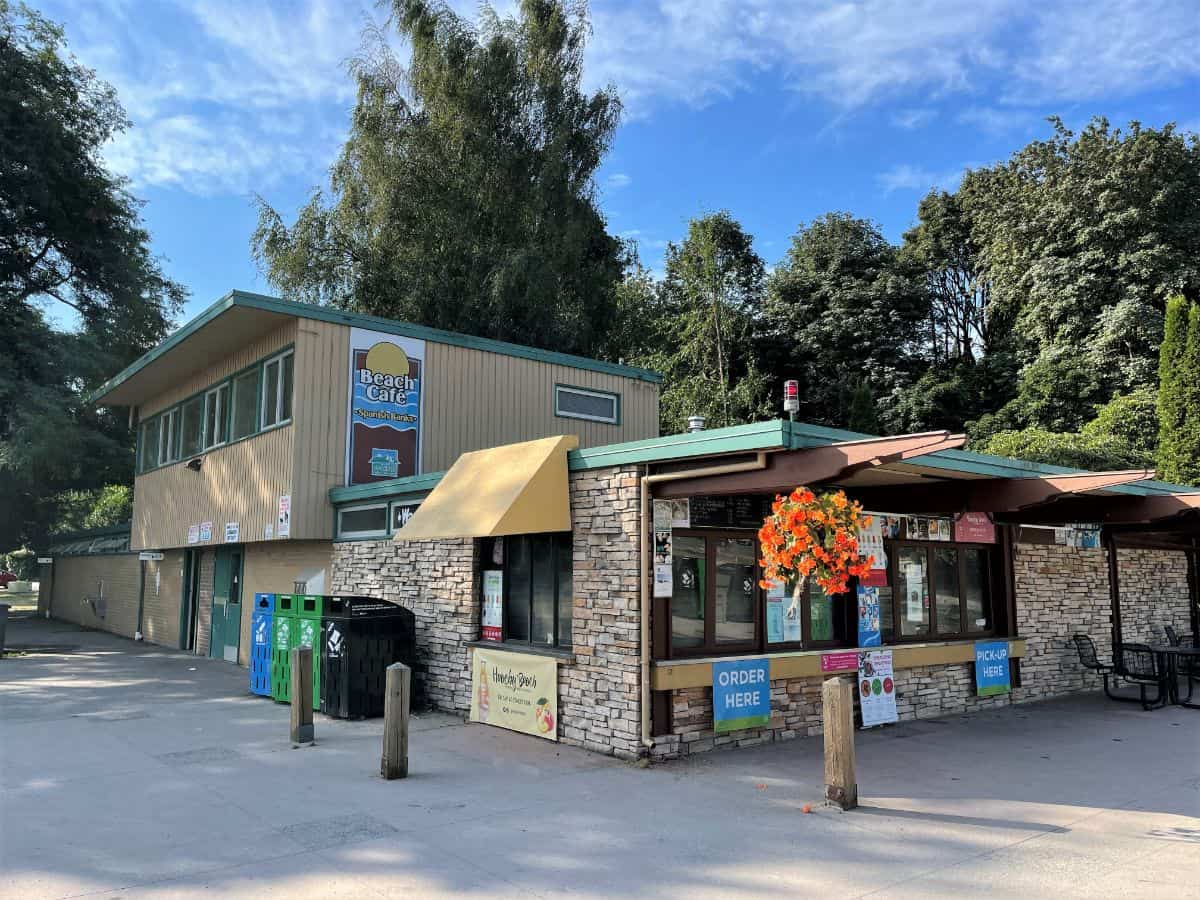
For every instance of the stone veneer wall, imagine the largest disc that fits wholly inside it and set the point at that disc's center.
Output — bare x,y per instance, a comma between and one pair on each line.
438,581
598,693
1060,590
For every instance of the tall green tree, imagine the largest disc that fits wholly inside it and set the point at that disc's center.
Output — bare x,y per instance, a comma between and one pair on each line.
843,308
1179,394
70,237
697,326
1082,238
464,197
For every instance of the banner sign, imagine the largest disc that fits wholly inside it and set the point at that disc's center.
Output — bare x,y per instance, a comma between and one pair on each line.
868,617
876,688
515,691
991,668
741,694
974,528
384,427
493,604
845,661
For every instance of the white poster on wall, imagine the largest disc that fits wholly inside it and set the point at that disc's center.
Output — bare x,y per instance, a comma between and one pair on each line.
233,532
664,577
493,604
876,688
283,521
193,534
205,532
387,396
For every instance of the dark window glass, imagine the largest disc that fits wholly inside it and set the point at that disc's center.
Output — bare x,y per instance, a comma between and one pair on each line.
542,629
887,626
820,606
270,405
150,445
945,581
360,521
689,564
192,427
516,609
566,592
216,409
975,589
245,404
736,576
912,586
580,404
285,396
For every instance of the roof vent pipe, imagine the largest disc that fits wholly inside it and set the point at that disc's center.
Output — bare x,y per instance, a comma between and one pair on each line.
695,423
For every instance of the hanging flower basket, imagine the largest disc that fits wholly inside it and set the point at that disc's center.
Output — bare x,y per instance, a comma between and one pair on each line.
813,536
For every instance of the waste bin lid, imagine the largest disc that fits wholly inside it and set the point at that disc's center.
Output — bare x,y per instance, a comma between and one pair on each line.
356,607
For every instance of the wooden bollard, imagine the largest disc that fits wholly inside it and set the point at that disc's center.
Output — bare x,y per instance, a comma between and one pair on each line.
396,702
841,785
302,688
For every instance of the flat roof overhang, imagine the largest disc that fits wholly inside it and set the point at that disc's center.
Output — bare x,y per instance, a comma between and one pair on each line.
191,349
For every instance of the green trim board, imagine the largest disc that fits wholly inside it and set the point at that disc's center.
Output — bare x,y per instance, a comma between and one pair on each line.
248,300
776,434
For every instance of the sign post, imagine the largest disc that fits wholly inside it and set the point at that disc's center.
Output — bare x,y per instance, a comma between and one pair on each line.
841,783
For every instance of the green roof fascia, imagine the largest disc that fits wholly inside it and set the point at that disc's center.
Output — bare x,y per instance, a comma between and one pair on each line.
712,442
390,326
806,435
174,340
392,489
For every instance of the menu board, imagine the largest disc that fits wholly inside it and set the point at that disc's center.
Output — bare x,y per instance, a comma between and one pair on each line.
729,512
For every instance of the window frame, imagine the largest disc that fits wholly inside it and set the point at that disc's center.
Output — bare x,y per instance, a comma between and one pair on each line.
360,507
556,550
710,647
930,548
279,422
615,419
168,423
182,407
222,417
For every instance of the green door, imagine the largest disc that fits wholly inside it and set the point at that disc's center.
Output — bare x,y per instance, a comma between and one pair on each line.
226,604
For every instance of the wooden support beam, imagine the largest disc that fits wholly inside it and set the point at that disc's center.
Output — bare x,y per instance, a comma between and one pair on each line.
789,469
302,694
397,701
837,702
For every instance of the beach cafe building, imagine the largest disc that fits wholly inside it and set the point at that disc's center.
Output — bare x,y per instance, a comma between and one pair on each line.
579,578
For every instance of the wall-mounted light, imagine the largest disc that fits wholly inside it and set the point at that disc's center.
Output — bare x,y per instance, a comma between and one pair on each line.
195,464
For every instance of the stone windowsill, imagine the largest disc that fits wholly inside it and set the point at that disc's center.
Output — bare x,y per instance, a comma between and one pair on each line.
562,657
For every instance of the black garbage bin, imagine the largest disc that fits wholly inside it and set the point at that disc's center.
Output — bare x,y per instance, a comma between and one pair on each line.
360,638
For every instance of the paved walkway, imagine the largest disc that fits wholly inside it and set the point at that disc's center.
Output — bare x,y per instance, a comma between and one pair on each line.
126,767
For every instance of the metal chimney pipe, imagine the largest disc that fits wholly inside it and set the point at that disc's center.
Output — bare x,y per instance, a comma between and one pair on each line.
695,423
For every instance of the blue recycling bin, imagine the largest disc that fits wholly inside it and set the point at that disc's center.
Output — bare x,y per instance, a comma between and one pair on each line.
260,644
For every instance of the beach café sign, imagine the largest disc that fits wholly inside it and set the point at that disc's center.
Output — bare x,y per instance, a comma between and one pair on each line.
383,430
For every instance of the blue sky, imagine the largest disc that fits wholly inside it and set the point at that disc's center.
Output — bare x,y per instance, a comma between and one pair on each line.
777,110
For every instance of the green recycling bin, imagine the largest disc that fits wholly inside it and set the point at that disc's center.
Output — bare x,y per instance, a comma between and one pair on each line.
285,635
309,609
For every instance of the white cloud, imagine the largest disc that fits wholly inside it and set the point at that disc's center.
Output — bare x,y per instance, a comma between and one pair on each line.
906,177
618,180
997,120
910,119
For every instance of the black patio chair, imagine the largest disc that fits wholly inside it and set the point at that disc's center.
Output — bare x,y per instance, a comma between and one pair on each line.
1139,664
1172,636
1089,659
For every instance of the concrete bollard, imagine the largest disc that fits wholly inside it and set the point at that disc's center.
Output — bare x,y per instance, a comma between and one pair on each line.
396,703
302,688
841,783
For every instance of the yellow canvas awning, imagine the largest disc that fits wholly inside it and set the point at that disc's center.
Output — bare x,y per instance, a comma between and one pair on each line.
514,489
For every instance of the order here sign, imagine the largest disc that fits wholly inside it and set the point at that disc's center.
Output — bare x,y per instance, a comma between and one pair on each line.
741,694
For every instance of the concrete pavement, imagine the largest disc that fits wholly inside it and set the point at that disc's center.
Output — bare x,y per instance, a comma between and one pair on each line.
125,767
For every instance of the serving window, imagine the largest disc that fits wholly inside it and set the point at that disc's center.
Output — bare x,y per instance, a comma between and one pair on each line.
935,590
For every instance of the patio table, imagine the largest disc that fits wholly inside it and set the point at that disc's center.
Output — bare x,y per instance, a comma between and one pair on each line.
1170,655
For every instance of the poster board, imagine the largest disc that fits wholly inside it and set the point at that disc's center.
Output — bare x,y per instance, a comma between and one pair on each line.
741,694
493,605
383,428
876,688
868,616
517,691
991,668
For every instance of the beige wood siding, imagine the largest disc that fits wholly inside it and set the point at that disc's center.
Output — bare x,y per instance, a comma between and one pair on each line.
204,599
273,568
164,596
476,399
319,403
79,582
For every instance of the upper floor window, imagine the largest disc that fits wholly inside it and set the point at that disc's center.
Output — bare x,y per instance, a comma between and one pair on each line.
245,404
191,427
582,403
277,390
168,449
216,416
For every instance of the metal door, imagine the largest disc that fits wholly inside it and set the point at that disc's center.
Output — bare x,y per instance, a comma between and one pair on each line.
226,604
